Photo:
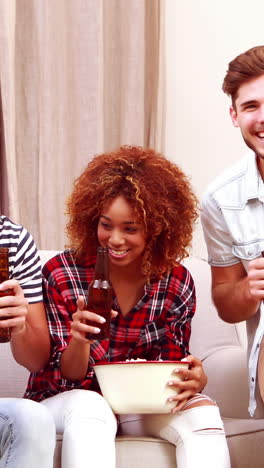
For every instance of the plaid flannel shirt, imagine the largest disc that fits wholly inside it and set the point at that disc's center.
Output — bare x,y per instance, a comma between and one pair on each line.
158,327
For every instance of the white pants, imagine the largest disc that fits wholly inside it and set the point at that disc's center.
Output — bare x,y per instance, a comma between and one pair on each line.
201,441
89,427
197,433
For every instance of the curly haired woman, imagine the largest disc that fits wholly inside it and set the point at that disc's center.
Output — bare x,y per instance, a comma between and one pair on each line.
141,206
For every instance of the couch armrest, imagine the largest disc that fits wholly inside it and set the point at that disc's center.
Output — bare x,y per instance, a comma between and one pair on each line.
227,373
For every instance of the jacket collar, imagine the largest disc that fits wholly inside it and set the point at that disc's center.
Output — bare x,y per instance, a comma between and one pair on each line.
254,186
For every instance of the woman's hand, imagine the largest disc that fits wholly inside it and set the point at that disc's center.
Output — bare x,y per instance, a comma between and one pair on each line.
193,381
13,308
79,326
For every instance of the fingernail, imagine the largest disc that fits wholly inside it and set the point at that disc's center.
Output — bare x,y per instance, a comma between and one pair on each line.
96,330
102,320
170,382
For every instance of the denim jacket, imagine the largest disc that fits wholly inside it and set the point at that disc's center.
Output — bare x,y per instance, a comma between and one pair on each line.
232,217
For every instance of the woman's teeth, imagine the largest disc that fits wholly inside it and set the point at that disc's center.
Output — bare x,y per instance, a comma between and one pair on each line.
118,252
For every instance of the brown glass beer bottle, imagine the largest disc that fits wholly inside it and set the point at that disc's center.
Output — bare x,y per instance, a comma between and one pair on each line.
4,275
100,296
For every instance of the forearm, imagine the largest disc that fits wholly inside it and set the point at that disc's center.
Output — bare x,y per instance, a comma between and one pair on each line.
234,302
74,360
30,340
31,347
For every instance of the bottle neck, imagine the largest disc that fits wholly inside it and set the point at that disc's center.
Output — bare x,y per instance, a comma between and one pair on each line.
101,266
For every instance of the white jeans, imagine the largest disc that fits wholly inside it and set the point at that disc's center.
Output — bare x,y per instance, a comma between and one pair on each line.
27,434
89,427
197,434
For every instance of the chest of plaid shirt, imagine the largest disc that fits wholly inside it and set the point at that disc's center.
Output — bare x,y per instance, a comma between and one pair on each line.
158,327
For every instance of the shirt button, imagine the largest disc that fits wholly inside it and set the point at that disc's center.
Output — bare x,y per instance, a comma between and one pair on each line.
250,252
253,379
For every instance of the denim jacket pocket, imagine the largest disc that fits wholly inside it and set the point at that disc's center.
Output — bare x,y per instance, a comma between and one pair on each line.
248,251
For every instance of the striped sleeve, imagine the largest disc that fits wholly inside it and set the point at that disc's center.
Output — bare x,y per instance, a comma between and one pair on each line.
24,261
27,267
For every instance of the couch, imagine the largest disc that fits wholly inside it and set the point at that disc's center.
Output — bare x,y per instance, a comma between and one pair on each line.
222,347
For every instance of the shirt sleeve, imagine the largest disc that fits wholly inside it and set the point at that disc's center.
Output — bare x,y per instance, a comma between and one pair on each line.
217,236
59,326
175,343
60,304
26,267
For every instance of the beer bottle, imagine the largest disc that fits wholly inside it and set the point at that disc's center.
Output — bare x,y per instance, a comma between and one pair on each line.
100,296
4,275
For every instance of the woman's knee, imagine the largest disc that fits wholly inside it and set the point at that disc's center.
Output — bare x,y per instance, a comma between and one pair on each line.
184,424
202,418
88,405
197,420
197,401
201,413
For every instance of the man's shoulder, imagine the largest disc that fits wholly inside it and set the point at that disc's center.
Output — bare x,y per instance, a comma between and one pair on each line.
7,223
230,175
10,232
228,188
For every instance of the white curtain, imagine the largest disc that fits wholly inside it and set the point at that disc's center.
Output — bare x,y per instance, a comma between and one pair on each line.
77,78
8,176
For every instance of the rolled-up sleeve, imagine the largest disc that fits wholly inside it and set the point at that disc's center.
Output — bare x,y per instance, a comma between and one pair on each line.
217,237
49,380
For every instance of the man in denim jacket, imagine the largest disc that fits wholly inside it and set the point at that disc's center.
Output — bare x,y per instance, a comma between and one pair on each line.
233,218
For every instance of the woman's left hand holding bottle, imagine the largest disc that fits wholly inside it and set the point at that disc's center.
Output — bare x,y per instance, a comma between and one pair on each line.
75,357
79,327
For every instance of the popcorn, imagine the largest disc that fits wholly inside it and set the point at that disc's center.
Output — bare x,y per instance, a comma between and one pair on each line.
135,360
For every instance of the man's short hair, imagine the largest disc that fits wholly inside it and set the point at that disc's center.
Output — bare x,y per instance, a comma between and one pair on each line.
244,67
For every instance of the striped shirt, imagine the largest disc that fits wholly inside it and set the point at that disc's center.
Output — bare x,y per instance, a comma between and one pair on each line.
24,261
157,327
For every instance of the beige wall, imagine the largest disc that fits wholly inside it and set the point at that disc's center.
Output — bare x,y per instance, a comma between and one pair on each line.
202,36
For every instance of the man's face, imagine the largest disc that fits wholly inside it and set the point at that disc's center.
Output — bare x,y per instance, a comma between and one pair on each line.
248,114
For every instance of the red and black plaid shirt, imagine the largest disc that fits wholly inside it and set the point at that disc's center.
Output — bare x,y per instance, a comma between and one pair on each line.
158,327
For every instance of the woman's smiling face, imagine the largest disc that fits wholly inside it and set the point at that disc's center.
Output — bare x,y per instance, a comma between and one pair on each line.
120,231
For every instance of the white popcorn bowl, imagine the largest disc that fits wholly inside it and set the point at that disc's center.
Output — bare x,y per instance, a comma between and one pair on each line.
139,386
